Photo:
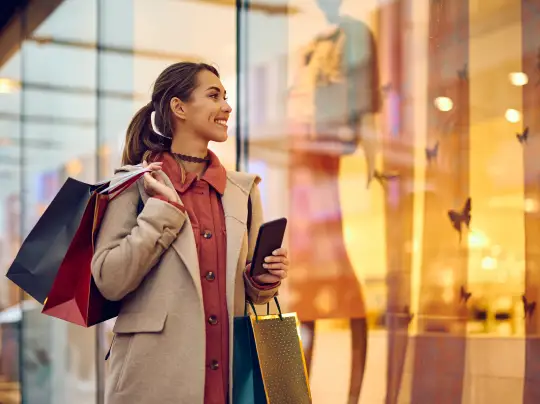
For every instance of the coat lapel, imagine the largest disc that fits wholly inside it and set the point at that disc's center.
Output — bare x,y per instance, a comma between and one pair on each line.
184,245
234,202
186,248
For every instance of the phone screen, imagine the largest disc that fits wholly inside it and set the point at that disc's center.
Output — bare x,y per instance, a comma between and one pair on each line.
270,238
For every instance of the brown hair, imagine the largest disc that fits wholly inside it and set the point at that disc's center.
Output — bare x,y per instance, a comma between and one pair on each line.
178,80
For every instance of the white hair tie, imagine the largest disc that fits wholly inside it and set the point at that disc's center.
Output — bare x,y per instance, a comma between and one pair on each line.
154,127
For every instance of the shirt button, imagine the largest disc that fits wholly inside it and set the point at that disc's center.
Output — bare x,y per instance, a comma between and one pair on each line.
207,234
212,320
214,365
210,276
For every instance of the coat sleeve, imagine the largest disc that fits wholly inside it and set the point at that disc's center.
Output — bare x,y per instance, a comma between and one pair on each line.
129,246
257,294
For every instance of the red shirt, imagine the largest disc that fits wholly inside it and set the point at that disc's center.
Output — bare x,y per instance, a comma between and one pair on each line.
202,202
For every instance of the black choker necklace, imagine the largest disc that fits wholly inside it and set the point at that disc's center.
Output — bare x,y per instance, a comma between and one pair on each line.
192,159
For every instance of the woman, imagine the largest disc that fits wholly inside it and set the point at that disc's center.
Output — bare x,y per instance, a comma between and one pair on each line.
175,249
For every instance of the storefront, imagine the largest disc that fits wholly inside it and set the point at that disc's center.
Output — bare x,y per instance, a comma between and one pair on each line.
368,121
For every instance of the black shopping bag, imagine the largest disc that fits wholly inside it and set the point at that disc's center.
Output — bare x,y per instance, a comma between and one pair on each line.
36,265
268,360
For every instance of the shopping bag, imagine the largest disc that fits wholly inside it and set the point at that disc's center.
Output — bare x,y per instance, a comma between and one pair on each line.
39,257
38,260
268,360
248,386
74,296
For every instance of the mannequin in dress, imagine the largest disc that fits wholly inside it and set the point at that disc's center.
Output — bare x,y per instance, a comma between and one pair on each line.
338,69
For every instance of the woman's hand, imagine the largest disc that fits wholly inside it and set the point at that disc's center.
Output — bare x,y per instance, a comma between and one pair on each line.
277,266
154,184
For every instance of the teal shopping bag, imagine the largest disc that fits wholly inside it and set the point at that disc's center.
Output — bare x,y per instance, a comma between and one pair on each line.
268,360
248,386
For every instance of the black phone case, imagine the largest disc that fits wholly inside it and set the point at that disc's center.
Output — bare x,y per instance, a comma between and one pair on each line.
270,238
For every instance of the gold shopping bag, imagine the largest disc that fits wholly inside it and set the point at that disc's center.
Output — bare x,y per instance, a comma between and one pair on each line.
281,357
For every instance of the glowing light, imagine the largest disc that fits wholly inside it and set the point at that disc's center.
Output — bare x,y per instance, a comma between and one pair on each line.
8,86
443,104
518,78
489,263
73,168
477,240
530,205
512,115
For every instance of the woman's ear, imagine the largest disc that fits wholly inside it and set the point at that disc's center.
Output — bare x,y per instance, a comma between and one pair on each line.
178,108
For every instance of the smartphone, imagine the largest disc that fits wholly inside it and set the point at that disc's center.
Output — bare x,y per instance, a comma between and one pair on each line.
270,238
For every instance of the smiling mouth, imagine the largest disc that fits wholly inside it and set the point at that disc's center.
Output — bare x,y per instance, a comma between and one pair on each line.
222,122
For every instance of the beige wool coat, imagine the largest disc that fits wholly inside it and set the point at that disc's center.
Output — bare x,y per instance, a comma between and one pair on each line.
150,263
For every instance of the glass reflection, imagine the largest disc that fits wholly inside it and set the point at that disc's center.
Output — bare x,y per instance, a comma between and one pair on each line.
336,86
397,113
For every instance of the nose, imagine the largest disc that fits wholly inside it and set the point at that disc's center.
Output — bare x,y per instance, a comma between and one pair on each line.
226,107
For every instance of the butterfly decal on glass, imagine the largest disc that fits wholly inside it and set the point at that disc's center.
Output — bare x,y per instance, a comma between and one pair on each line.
528,307
463,74
460,218
523,137
384,178
431,153
464,295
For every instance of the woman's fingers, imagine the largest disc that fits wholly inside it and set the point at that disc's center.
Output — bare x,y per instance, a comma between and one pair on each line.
281,274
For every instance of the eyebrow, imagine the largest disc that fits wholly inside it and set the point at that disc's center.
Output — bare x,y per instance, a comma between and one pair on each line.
216,88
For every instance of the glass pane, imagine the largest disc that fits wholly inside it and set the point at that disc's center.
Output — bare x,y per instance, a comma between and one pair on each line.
59,141
396,113
10,206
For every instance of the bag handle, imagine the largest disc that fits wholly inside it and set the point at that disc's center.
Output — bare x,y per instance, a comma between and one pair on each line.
99,184
125,183
248,301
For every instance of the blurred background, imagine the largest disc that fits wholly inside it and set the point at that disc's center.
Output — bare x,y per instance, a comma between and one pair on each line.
378,126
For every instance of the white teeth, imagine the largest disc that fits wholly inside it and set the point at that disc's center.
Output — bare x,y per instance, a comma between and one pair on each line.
221,122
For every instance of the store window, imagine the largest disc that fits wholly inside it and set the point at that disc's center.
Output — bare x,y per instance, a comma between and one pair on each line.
372,124
59,140
68,95
10,186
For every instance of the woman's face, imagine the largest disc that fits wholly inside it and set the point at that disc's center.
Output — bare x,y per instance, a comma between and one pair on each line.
207,111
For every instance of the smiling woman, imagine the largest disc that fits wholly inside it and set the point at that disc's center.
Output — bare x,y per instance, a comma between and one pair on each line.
186,249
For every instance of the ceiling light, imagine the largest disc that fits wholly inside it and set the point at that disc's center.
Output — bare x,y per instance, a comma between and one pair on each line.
443,104
489,263
8,86
512,115
518,78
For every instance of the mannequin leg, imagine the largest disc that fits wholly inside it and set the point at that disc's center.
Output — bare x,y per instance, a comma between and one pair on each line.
309,328
359,356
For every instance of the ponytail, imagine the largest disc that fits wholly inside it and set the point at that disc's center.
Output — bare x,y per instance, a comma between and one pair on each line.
141,141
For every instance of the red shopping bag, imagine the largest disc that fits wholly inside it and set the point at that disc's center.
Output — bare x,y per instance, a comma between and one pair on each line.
74,296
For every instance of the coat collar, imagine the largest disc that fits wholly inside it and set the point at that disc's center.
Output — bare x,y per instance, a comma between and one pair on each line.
215,175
